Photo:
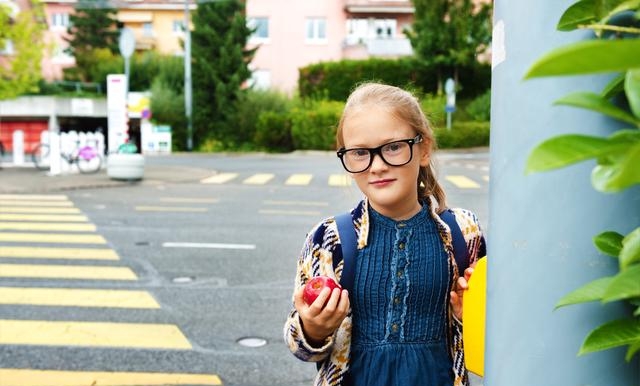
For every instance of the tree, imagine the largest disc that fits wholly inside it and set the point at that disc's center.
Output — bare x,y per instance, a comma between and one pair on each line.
20,70
220,68
448,34
93,27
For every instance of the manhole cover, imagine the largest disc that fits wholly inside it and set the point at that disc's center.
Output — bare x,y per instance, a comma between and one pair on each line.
252,341
142,243
183,279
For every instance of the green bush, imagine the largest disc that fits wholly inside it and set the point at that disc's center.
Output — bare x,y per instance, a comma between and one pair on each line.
313,124
251,105
463,135
273,131
433,107
480,108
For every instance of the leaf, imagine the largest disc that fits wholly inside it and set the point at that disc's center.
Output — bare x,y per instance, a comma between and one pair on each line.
632,89
587,57
623,6
589,292
580,13
614,87
633,349
626,284
609,243
567,149
598,103
611,334
620,170
630,252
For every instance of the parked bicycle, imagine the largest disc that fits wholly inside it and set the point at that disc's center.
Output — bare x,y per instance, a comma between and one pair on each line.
86,157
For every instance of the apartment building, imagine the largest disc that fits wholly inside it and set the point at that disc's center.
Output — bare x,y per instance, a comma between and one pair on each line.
289,34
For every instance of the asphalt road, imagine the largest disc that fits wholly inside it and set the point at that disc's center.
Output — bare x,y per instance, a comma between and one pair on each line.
219,259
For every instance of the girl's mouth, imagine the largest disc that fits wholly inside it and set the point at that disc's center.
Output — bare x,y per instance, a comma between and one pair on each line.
382,182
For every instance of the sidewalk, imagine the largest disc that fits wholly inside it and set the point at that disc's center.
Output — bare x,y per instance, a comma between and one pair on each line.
25,179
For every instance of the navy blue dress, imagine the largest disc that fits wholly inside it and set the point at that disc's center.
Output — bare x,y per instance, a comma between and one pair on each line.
400,306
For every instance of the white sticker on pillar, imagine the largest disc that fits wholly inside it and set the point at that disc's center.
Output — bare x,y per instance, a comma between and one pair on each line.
498,50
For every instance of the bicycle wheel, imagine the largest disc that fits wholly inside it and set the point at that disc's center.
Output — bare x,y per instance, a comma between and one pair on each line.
40,156
89,160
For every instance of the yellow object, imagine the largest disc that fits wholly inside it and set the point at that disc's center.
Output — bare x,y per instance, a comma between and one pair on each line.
474,316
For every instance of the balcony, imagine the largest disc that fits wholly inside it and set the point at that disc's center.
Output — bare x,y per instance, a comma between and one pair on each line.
387,47
369,7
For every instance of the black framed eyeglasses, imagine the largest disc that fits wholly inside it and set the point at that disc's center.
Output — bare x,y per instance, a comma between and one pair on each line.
396,153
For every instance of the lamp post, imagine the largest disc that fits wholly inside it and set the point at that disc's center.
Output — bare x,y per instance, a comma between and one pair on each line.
187,75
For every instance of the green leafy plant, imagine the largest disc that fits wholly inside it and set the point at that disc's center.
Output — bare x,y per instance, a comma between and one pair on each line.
615,49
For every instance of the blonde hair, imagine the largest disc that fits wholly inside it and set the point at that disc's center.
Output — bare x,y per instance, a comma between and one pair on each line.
404,106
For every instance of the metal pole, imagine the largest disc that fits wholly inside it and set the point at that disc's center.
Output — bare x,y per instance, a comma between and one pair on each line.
540,235
187,76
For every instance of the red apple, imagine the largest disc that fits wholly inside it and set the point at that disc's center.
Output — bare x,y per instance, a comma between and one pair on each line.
314,286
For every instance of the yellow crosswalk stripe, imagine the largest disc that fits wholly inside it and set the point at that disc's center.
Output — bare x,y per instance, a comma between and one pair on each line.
486,178
76,297
219,178
190,200
48,226
54,197
67,272
22,377
92,334
52,238
339,180
43,217
143,208
58,203
299,179
48,210
258,179
58,253
463,182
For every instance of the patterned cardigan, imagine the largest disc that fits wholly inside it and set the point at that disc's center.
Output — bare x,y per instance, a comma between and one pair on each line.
316,259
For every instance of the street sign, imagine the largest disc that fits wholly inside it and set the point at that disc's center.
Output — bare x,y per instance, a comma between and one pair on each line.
127,42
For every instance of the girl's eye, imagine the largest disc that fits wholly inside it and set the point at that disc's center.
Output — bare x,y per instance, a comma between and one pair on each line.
393,147
360,153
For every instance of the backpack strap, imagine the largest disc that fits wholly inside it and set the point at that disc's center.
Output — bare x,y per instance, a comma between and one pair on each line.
457,239
348,245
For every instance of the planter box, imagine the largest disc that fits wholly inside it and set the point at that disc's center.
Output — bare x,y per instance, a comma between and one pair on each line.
125,166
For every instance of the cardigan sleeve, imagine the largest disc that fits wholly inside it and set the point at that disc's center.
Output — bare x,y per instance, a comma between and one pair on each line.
472,232
315,259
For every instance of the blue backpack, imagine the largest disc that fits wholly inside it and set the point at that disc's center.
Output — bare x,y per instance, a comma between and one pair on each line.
349,246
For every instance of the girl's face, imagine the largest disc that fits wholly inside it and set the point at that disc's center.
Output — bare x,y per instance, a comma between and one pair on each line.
392,190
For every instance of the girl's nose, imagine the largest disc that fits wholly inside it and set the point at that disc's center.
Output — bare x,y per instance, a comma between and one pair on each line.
377,163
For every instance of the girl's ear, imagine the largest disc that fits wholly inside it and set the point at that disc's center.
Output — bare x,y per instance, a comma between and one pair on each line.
425,152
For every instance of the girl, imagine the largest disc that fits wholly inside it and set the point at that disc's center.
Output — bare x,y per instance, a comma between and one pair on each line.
401,325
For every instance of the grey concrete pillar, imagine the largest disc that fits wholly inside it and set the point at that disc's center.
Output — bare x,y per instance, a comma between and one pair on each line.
541,226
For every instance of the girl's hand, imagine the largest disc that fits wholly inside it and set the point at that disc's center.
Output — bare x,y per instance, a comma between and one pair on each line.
320,320
457,295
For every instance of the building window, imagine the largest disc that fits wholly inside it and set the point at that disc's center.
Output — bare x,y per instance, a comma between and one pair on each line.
59,20
260,27
260,79
178,26
316,30
147,29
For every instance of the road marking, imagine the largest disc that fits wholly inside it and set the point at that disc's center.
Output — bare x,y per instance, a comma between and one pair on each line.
43,217
462,182
299,179
295,203
219,178
33,197
190,200
486,178
49,226
49,210
289,212
52,238
67,272
59,203
169,209
75,297
208,245
258,179
58,253
27,377
92,334
339,180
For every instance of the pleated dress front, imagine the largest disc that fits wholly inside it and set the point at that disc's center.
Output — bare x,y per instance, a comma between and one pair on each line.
399,304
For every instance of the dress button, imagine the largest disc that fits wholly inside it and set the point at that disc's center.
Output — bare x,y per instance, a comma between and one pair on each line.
401,245
396,300
399,273
402,225
394,328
